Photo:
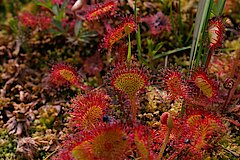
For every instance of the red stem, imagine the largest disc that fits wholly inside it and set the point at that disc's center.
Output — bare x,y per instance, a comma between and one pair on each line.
133,108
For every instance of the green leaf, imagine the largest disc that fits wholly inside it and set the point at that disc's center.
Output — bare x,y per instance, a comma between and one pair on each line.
139,44
201,49
218,9
58,24
202,13
47,4
55,10
151,49
62,11
129,55
14,25
55,32
157,47
171,52
149,46
77,27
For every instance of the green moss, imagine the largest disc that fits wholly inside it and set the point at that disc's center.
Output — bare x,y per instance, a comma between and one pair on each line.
7,146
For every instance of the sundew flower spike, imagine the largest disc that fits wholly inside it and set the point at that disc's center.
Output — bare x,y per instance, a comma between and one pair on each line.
99,10
127,26
216,32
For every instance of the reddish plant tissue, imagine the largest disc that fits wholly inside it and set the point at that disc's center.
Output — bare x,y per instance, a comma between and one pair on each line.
157,23
93,65
58,2
74,147
193,134
99,10
88,110
216,32
107,142
164,118
63,74
201,130
207,86
39,21
173,84
127,26
143,140
128,80
110,143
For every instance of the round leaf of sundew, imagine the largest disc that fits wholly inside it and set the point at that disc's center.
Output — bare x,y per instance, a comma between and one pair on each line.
92,117
81,151
68,75
110,144
129,83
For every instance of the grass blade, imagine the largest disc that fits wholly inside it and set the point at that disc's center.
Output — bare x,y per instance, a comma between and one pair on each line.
220,7
139,45
171,52
203,9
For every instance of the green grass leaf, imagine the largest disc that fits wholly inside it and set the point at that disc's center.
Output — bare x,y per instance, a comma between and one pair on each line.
204,8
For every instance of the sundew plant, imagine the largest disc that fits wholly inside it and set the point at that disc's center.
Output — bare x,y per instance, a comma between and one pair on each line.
119,80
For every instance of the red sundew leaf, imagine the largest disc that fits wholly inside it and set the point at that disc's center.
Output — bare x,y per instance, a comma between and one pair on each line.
173,84
222,65
121,53
100,10
63,74
204,86
128,80
216,32
207,85
69,149
144,142
204,126
88,110
44,22
122,30
58,2
105,142
82,151
110,143
196,132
